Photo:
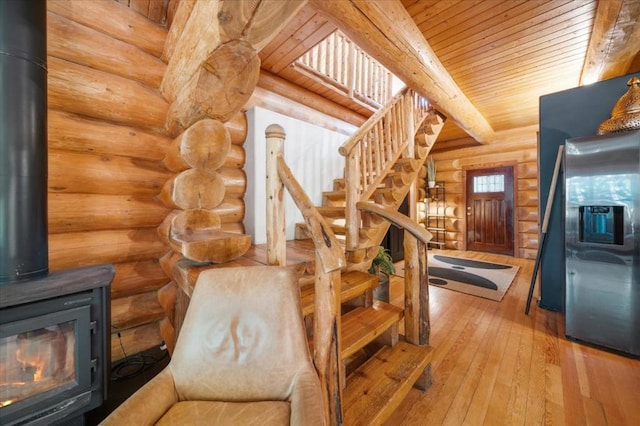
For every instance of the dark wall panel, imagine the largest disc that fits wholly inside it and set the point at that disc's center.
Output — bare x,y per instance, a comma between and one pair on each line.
569,114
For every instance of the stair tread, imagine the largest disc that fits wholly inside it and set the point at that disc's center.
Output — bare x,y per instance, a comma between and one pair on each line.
334,194
338,229
331,211
362,325
333,199
354,283
377,388
398,180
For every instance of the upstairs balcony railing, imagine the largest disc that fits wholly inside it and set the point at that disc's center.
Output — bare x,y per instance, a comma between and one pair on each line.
339,63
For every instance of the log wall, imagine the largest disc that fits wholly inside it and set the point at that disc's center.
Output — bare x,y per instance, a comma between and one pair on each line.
515,147
107,143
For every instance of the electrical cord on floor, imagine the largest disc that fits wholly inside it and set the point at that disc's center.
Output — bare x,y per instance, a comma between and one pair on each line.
133,366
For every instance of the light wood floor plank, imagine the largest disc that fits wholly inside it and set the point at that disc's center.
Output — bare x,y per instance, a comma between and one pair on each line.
594,412
493,365
466,350
603,385
447,373
516,406
469,385
554,395
572,368
535,393
583,379
626,390
480,401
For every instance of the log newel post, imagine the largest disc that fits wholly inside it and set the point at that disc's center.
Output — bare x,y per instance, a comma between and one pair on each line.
416,290
276,238
425,322
326,341
329,260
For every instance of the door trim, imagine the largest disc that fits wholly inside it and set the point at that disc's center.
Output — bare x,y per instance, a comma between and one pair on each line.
516,219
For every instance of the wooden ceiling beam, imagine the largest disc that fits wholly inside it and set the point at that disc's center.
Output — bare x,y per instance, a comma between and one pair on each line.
256,21
387,32
615,41
205,25
280,86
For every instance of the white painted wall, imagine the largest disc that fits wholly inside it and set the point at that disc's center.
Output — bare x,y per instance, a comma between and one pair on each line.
311,152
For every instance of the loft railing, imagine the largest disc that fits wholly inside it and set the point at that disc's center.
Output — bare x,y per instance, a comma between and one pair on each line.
341,64
372,151
329,260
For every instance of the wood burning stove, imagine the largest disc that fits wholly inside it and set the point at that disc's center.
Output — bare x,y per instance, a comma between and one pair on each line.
54,352
54,359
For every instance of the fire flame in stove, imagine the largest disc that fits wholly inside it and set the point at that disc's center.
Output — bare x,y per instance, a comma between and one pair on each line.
5,403
36,361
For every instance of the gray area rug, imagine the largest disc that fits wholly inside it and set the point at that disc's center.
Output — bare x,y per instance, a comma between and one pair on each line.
484,279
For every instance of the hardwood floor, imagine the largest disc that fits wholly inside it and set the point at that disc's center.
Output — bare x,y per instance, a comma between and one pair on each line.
494,365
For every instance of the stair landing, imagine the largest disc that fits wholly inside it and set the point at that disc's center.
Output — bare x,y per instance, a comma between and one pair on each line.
300,256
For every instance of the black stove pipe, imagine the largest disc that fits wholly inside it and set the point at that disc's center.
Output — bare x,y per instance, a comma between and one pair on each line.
23,140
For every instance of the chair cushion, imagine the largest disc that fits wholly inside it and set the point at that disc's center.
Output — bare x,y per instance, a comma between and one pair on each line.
242,338
263,413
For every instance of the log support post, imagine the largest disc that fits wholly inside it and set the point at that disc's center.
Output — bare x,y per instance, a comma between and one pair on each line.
276,237
416,317
326,342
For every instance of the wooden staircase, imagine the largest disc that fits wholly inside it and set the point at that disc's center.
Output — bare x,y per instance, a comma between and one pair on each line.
370,333
366,366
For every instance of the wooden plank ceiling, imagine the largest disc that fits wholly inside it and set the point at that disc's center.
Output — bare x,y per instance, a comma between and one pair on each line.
503,54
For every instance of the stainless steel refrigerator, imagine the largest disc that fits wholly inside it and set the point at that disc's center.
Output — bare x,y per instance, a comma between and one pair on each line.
602,240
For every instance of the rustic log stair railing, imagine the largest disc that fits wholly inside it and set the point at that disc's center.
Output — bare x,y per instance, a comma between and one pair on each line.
329,260
382,161
373,152
370,393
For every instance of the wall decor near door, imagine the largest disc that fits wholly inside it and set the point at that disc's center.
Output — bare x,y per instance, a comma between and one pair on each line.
489,210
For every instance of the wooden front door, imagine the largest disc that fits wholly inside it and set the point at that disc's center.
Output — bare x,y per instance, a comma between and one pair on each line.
490,210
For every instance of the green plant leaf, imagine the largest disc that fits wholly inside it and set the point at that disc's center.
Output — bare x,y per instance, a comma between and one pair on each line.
382,262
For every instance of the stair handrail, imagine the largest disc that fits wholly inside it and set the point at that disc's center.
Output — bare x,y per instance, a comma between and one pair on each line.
328,247
351,143
324,239
417,324
329,260
398,219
